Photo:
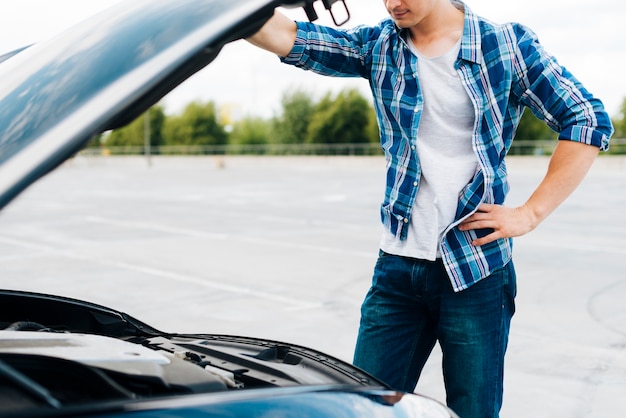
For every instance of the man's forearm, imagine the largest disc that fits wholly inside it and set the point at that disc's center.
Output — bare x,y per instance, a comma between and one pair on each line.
568,166
278,35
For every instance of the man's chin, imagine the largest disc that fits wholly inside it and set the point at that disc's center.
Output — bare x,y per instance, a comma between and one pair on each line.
402,24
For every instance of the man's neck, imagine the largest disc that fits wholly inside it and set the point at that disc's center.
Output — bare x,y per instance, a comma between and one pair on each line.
439,32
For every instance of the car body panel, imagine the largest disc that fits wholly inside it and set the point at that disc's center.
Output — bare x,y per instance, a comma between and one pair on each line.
303,403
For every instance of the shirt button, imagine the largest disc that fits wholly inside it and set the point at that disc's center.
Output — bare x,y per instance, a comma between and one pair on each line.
415,183
406,220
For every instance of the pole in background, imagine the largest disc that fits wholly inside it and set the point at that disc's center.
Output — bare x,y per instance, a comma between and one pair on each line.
146,136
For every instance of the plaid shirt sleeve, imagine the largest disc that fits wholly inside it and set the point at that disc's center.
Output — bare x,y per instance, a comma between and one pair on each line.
556,96
331,52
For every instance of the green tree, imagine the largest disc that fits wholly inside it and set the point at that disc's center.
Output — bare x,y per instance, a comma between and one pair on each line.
197,125
96,141
372,131
251,131
292,126
619,123
531,128
343,119
133,134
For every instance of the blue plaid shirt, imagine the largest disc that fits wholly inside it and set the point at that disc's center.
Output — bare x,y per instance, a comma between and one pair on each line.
503,69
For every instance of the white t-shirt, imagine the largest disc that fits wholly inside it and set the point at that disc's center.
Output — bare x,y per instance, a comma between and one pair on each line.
446,156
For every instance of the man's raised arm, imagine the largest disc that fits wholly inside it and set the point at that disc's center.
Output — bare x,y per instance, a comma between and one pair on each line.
277,35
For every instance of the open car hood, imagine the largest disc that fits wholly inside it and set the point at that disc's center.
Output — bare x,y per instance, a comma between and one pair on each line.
103,73
64,357
33,324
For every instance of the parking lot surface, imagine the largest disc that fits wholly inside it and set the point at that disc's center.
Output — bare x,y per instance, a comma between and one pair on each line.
283,248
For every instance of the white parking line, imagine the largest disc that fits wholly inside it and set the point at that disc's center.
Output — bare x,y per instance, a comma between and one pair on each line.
214,236
289,303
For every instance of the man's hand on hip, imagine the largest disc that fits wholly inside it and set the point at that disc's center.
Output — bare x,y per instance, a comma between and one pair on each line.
506,222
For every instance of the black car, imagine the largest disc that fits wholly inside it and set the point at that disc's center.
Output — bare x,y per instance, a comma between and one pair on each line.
65,357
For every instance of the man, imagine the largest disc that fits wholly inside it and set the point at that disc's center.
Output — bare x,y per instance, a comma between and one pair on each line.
449,89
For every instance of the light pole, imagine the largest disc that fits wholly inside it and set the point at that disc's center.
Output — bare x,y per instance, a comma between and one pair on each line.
146,136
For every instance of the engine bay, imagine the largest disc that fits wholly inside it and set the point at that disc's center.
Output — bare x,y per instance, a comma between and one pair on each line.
57,352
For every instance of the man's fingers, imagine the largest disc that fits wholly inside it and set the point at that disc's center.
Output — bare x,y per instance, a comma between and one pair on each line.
477,225
483,212
486,239
478,221
485,207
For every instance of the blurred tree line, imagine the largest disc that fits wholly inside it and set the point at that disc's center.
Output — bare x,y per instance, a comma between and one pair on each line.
344,118
619,122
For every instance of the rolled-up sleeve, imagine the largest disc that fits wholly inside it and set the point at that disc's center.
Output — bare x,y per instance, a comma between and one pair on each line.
557,97
331,52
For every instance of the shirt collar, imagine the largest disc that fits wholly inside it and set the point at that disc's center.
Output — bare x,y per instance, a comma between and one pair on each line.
471,41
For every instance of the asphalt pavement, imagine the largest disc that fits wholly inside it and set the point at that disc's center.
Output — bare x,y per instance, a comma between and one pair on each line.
283,248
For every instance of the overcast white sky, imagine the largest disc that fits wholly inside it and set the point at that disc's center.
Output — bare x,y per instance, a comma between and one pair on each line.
586,36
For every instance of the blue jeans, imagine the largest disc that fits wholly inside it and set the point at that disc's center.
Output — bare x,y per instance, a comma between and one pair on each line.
411,305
